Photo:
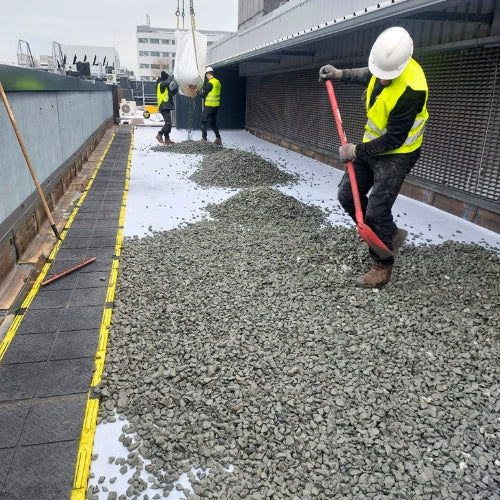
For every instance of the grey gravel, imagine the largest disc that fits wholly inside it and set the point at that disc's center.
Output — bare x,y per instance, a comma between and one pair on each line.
231,168
239,169
188,147
240,346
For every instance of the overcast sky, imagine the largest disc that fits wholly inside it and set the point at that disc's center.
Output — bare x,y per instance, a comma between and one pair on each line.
109,23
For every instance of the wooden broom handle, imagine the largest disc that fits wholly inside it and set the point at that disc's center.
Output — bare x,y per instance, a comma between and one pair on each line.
28,161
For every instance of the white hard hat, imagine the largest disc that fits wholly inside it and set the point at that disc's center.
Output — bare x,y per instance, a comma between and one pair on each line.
390,53
209,69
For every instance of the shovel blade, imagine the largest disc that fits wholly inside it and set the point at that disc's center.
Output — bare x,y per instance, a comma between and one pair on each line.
373,241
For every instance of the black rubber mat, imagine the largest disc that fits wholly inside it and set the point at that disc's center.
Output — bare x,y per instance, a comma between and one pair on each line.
48,365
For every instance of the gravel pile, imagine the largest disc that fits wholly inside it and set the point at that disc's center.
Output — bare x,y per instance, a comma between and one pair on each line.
263,206
239,169
230,168
188,147
239,346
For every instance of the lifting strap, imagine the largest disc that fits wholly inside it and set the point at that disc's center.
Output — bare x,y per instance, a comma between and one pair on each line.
193,29
178,13
191,103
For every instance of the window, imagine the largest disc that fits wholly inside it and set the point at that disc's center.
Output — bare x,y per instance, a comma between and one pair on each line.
144,66
155,66
154,53
165,54
143,40
143,53
154,40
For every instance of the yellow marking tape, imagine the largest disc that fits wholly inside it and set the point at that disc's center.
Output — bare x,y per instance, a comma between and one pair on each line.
36,285
119,240
82,470
85,450
8,337
110,295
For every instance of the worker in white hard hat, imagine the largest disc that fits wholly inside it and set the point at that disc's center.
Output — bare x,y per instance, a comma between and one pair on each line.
210,92
396,111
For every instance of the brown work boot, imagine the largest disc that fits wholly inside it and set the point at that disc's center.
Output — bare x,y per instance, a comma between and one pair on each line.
398,239
169,141
218,141
203,139
377,276
159,137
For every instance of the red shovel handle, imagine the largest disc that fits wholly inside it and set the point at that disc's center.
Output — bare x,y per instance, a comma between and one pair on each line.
365,231
343,141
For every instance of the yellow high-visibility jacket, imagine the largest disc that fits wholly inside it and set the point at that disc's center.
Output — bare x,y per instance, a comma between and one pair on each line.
378,114
161,96
213,97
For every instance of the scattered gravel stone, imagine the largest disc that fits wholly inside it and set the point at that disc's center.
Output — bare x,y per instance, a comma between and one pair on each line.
242,348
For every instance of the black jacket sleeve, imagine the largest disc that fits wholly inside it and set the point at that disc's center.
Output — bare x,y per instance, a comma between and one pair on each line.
163,85
205,90
360,76
176,87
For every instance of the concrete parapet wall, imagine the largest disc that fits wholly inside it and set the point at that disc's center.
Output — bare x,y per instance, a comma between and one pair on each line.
60,119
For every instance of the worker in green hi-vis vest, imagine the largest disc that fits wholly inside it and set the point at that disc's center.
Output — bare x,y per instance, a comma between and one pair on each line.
210,92
166,88
396,111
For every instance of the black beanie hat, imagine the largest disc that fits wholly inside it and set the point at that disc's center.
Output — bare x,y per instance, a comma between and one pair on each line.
164,75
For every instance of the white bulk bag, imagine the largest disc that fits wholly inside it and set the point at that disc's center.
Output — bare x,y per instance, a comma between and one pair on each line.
190,57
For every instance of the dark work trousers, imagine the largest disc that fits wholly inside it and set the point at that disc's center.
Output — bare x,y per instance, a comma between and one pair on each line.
209,114
384,175
167,127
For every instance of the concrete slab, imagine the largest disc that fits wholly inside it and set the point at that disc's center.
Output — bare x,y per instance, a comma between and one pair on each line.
11,286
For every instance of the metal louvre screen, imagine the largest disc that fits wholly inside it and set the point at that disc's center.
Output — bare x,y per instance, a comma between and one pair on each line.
266,103
460,149
305,113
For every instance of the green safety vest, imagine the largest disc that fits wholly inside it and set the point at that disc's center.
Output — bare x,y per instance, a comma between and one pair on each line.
378,115
213,97
161,97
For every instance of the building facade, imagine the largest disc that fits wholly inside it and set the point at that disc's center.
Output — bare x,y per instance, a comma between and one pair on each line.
156,49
